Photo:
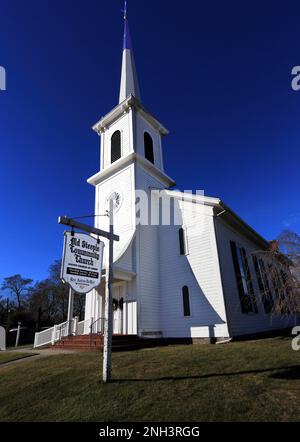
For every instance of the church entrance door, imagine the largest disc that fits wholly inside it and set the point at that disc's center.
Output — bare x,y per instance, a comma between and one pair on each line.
118,308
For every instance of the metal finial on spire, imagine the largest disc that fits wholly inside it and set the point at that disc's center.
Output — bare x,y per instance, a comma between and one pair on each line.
129,82
125,10
127,40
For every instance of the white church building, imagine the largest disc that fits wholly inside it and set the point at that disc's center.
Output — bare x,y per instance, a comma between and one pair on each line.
197,276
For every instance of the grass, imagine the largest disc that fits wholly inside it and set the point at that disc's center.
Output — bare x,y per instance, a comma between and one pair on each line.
243,381
10,356
20,347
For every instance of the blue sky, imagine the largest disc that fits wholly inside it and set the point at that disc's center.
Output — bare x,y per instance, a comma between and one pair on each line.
217,74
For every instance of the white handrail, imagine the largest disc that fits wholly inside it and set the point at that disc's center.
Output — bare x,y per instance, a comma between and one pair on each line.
56,333
97,326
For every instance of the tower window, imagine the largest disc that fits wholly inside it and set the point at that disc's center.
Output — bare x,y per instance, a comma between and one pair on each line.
182,245
186,301
115,146
148,142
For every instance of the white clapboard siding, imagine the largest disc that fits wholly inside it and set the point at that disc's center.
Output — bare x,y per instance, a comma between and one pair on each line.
147,265
124,225
199,271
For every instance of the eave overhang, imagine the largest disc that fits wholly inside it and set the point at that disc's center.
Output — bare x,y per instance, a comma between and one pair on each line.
233,218
130,103
126,161
222,210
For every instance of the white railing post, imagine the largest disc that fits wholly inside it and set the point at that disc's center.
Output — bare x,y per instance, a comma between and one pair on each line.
54,335
76,320
70,311
91,325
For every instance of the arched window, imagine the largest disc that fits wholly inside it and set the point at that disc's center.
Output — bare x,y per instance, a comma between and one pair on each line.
186,301
182,245
115,146
148,142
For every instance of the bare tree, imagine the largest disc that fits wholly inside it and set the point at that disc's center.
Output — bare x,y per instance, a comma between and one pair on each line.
289,245
61,289
43,303
278,275
48,299
62,292
54,272
3,310
18,288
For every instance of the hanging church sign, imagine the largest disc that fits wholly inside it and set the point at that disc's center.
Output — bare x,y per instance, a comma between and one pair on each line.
82,262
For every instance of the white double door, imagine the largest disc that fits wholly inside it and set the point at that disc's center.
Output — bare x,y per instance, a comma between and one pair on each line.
124,312
118,309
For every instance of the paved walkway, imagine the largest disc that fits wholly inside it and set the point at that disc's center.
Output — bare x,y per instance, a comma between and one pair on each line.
36,354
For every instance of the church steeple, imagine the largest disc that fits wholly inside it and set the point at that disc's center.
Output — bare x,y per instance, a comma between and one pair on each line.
130,134
129,81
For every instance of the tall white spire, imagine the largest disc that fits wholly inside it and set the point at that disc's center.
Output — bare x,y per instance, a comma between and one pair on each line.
129,81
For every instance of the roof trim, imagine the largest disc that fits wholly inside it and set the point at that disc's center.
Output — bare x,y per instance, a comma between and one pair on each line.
130,103
131,158
227,212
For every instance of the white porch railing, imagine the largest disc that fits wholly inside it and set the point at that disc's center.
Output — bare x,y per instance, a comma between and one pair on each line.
90,326
43,338
54,334
97,327
83,328
75,328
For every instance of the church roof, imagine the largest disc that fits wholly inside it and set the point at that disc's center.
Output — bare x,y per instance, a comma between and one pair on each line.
224,211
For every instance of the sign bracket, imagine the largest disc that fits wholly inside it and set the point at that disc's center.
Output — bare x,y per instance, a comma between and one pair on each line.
86,228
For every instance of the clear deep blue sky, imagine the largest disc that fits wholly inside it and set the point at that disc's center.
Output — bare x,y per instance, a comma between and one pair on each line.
216,73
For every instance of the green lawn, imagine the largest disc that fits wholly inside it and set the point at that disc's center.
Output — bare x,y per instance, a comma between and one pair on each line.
21,347
10,356
245,381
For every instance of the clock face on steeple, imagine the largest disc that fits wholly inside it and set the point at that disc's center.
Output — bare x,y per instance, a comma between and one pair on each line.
117,200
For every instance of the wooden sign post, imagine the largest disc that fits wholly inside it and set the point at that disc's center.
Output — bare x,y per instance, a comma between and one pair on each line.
108,324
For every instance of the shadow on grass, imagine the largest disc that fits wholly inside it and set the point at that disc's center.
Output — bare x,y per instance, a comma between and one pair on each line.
290,372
